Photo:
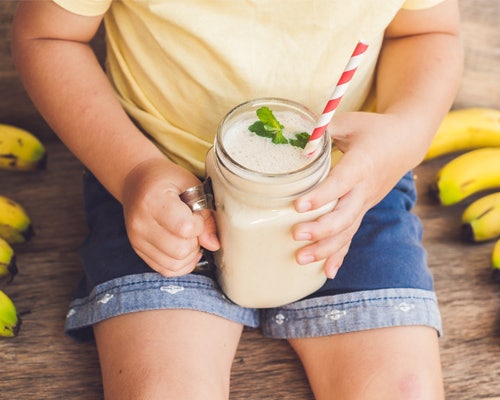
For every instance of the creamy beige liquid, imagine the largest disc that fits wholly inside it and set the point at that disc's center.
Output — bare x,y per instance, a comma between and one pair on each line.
256,264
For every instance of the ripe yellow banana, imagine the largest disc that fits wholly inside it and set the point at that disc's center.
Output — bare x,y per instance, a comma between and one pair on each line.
495,261
10,322
467,174
20,150
8,267
466,129
15,223
481,219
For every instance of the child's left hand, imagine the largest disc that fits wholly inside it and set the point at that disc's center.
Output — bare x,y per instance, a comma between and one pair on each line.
375,158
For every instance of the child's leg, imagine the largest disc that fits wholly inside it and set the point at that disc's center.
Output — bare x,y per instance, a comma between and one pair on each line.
167,354
388,364
372,331
157,337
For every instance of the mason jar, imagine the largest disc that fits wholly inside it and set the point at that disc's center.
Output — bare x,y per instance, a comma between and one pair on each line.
254,210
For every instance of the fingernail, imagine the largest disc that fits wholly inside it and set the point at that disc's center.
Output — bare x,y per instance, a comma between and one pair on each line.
331,273
303,206
303,236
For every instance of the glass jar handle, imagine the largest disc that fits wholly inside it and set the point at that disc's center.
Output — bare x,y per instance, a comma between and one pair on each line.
198,198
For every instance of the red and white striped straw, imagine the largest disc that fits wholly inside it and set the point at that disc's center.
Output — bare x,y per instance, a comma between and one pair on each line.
332,104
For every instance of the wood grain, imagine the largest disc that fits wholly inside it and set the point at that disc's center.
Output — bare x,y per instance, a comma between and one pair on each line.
42,363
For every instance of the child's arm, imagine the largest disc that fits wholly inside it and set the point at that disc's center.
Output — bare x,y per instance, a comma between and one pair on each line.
418,75
63,77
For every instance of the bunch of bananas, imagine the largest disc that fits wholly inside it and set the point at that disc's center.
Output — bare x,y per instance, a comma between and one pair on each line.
476,133
20,150
15,227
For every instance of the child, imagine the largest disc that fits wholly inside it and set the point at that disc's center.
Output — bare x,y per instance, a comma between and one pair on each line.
174,69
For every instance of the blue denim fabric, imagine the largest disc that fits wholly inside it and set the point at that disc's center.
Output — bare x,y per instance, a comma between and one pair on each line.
384,280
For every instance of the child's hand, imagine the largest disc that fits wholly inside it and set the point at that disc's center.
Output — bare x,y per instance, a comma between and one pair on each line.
375,158
162,229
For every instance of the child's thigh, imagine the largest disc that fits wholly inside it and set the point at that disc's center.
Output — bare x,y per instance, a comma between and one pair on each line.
163,354
386,363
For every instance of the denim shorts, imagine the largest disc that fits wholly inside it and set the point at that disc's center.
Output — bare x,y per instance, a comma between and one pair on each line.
384,280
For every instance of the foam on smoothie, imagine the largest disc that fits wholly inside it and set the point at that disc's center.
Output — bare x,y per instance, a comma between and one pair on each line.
260,154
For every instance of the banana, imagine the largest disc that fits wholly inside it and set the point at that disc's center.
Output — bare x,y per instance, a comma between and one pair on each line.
481,219
10,322
467,174
15,223
20,150
495,261
466,129
8,267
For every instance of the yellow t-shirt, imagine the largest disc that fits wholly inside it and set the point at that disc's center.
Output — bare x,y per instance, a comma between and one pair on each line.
179,66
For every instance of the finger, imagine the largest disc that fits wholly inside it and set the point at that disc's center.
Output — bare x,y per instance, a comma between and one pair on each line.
166,265
148,236
334,262
176,217
347,210
333,248
322,249
208,238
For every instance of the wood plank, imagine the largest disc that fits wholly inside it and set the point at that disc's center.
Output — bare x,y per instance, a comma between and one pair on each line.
43,363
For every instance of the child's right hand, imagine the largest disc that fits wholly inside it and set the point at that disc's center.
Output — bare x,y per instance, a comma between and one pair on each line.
162,229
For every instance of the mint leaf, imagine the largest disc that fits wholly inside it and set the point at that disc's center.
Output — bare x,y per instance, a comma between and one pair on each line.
259,129
270,122
268,126
300,140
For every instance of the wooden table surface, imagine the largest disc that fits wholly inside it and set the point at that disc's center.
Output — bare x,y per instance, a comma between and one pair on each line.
41,363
